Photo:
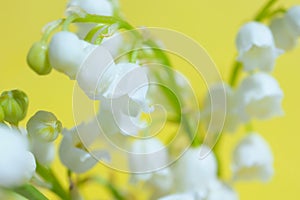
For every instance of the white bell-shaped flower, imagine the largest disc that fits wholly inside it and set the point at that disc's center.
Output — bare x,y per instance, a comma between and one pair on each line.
17,164
260,96
293,18
252,159
218,190
121,115
67,52
44,152
73,151
148,159
215,190
146,156
192,173
283,33
100,78
93,7
221,109
256,47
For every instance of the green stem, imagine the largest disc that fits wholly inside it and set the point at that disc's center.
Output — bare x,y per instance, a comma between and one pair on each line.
30,192
236,69
51,28
50,177
264,10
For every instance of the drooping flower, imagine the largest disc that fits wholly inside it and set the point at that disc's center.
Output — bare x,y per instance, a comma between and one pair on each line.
283,33
17,164
256,47
260,96
122,89
67,52
192,173
148,160
147,155
252,159
98,7
44,152
73,151
215,190
121,115
221,109
293,18
93,7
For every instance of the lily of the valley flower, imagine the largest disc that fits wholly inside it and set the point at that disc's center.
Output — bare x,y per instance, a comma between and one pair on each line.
286,29
73,150
261,96
44,152
221,109
146,156
17,164
283,33
98,7
192,173
93,7
293,17
252,159
256,47
120,115
67,52
215,190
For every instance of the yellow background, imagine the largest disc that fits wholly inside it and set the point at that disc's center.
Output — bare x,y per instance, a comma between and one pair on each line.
213,23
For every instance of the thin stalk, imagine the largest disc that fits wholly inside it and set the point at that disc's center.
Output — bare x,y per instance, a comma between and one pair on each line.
30,192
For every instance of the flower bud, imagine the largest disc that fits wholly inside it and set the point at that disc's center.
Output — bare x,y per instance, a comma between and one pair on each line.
37,58
44,126
15,105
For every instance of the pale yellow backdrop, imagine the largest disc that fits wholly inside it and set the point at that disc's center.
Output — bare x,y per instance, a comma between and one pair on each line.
213,23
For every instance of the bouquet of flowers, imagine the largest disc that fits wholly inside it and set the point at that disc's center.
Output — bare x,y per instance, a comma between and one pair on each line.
137,113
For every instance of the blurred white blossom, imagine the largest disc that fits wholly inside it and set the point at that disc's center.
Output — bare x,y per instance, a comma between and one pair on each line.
260,96
252,159
293,18
73,151
221,109
215,190
283,34
17,164
67,52
93,7
191,173
146,156
44,152
256,47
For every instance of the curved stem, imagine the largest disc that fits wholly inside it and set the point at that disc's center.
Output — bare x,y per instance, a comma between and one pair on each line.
50,177
264,10
52,26
30,192
236,69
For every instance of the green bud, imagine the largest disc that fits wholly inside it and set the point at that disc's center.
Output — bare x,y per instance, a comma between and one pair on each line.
37,58
1,114
14,104
44,126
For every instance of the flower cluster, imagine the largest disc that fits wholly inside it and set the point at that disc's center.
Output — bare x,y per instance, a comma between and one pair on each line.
115,72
